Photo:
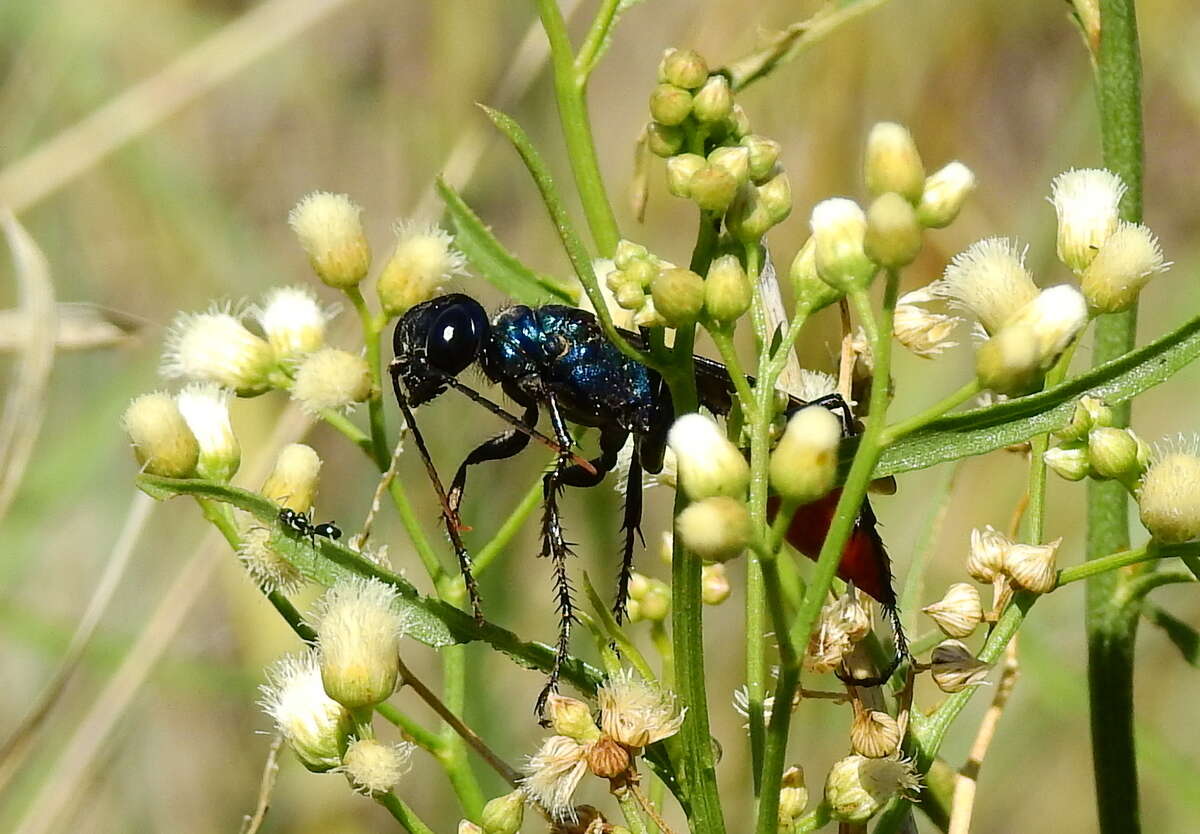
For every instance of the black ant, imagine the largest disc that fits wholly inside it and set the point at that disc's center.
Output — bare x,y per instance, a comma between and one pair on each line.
301,524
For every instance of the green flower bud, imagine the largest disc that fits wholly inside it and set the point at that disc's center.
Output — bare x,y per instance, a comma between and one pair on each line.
1114,454
1169,501
678,296
714,101
670,105
1089,413
684,68
748,217
739,121
715,529
571,718
776,195
1071,462
839,229
893,163
735,160
504,814
1125,263
358,631
803,466
664,140
630,296
893,236
680,170
641,273
655,606
945,192
727,290
858,787
810,291
162,442
706,461
1031,340
713,188
330,231
293,481
628,252
315,726
793,798
205,408
764,153
714,584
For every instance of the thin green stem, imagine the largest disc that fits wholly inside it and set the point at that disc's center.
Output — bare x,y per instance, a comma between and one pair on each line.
371,326
351,432
632,812
597,36
402,813
570,90
1104,564
453,756
412,526
723,339
845,516
509,528
424,738
1136,588
1111,628
907,426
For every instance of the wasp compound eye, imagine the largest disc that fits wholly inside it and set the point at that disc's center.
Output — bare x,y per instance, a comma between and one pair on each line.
456,335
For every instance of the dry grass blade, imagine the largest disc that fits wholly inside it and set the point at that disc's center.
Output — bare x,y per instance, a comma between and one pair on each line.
206,66
266,787
17,747
77,327
26,397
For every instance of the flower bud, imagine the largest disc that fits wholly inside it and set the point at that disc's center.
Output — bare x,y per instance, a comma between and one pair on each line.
1125,263
827,646
849,614
1114,454
630,296
670,105
216,347
162,442
858,787
839,228
1087,203
811,292
954,668
314,725
739,121
1089,413
803,466
267,567
571,718
944,194
635,712
714,584
793,797
986,559
1169,500
735,160
684,68
664,140
648,316
727,290
989,278
553,773
708,464
331,379
656,604
713,188
892,162
715,529
893,236
714,100
504,814
468,827
678,296
423,260
358,631
776,196
205,408
629,253
293,321
639,584
959,612
763,154
1013,361
293,481
373,767
1032,566
1071,462
680,170
330,231
749,216
874,733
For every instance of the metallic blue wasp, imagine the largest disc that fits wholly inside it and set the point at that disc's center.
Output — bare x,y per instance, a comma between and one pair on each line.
557,359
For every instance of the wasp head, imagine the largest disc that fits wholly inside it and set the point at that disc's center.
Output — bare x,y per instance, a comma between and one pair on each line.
435,340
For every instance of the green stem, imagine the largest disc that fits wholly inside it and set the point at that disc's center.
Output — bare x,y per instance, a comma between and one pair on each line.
908,426
402,813
570,90
845,516
1112,628
453,756
412,526
371,325
425,739
814,820
632,813
351,432
509,529
593,44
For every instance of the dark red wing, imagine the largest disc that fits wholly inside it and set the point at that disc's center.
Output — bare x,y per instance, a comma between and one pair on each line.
864,562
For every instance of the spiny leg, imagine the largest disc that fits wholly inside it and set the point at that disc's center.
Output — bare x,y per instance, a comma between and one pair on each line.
631,526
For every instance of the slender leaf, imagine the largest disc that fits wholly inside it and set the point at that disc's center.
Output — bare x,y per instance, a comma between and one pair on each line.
1183,636
1015,421
431,621
495,263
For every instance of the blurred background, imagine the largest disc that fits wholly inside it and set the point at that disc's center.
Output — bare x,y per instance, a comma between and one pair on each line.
163,201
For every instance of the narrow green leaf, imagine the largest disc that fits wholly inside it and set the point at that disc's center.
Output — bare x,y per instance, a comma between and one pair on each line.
1185,638
495,263
432,621
1015,421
